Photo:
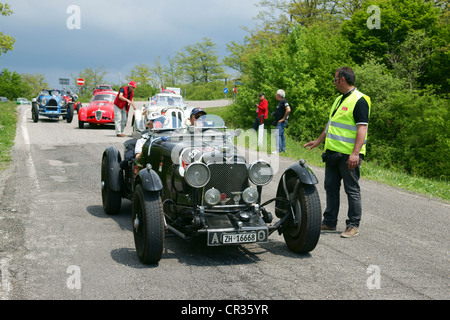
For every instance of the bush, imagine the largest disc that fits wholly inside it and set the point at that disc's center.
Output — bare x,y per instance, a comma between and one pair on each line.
205,91
411,131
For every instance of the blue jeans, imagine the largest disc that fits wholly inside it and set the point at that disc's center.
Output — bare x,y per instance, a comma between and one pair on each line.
280,140
336,169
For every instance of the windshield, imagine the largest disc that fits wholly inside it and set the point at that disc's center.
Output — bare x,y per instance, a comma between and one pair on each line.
105,87
167,100
104,97
210,121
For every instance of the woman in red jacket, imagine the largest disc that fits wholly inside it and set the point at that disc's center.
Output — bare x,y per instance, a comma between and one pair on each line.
262,112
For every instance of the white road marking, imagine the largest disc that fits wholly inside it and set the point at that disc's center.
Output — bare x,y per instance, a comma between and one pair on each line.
6,286
26,139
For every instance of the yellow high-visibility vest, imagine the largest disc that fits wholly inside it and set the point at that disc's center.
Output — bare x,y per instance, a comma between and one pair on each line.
341,128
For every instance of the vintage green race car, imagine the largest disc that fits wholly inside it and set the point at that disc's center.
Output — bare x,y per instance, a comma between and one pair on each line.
192,182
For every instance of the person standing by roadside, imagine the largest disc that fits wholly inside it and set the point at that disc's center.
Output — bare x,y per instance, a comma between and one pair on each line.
345,138
121,106
281,119
262,110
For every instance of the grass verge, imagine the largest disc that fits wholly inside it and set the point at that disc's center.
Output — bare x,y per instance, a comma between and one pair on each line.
8,123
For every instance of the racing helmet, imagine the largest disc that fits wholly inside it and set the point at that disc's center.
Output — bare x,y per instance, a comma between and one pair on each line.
196,111
153,116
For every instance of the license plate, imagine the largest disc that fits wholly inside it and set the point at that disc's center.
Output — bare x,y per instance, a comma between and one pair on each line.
217,238
228,238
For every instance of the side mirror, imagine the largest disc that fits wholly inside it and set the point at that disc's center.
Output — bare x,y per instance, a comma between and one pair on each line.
237,132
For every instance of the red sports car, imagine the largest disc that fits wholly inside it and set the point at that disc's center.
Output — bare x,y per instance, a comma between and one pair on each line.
99,111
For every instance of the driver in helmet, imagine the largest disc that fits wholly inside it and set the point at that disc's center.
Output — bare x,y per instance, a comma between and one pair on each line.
195,114
146,134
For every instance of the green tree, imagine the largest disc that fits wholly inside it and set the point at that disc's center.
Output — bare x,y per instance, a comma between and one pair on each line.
236,59
397,19
6,42
36,83
411,57
141,74
282,67
11,85
199,62
166,75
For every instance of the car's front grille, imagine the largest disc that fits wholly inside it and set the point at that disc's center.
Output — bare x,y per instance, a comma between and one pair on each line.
228,178
52,103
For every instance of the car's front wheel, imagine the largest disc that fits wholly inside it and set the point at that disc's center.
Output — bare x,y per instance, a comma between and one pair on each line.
302,234
35,112
148,225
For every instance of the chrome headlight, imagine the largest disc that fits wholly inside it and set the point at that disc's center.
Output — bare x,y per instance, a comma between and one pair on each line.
250,195
260,173
62,103
197,175
212,196
44,101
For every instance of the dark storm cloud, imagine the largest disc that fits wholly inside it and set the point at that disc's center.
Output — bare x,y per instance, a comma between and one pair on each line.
115,35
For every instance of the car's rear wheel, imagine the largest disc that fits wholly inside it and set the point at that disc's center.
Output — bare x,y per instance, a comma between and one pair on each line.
35,112
302,235
111,199
148,225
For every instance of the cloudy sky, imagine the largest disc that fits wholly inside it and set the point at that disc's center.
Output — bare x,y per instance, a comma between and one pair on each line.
59,38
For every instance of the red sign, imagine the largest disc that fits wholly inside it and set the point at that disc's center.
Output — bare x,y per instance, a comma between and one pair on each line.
80,82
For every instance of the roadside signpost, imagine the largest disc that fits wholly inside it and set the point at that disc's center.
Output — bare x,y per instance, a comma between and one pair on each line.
80,82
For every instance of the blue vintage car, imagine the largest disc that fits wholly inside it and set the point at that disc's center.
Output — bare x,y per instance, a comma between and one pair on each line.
51,104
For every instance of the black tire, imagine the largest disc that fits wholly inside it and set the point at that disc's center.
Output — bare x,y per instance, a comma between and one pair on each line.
80,124
111,199
35,112
69,117
303,236
148,225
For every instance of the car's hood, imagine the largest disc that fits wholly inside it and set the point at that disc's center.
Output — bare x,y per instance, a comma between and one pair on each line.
102,105
205,152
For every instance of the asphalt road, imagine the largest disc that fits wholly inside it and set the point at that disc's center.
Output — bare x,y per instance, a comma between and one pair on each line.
56,242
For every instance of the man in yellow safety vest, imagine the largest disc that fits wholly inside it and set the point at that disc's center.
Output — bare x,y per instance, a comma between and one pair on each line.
345,137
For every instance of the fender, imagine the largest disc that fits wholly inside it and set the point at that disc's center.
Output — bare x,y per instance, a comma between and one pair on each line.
303,172
150,180
82,114
115,173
